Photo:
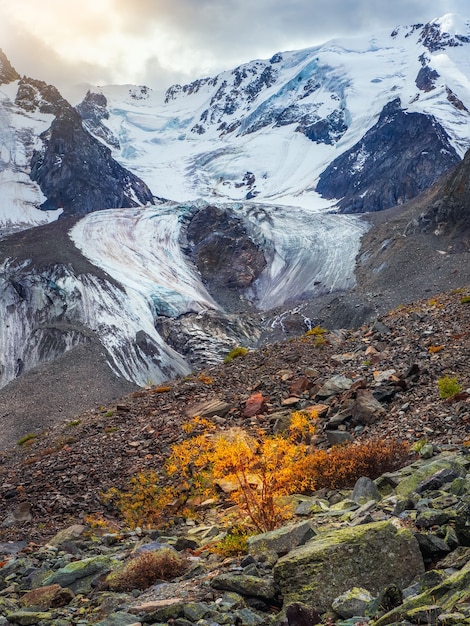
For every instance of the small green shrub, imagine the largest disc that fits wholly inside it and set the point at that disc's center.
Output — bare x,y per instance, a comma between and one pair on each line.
233,544
418,445
27,438
73,423
448,387
235,353
465,300
316,331
146,568
109,413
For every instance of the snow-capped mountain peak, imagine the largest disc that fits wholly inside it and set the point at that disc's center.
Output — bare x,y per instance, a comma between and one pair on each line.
269,128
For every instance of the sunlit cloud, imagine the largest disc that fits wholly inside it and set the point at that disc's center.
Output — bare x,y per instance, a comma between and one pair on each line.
159,42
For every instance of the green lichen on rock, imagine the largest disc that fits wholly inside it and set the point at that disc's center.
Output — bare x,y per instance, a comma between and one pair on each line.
370,555
73,573
450,595
425,470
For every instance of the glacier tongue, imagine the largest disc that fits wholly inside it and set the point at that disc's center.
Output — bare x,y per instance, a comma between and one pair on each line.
307,254
311,253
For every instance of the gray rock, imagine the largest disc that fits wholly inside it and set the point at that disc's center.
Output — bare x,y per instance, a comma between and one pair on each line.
195,611
249,618
67,534
366,409
352,603
28,618
209,409
283,539
431,546
365,490
22,513
337,437
334,386
77,570
120,618
427,518
250,586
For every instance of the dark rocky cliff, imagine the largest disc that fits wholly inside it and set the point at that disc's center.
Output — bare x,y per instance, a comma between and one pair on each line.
383,169
227,258
77,173
450,213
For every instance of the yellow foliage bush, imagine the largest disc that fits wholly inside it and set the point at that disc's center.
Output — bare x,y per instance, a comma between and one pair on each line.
143,504
262,468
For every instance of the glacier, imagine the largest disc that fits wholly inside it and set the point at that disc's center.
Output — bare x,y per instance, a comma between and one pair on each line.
308,254
199,140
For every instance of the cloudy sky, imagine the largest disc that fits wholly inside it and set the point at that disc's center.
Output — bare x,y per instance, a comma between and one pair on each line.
160,42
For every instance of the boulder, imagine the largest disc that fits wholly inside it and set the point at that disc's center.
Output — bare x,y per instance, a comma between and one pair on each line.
28,618
69,534
209,409
370,555
365,490
80,573
338,437
48,597
352,603
282,540
245,585
366,409
121,618
334,386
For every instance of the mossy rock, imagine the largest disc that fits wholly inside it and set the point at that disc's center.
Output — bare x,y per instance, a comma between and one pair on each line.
426,469
450,595
370,555
28,618
78,571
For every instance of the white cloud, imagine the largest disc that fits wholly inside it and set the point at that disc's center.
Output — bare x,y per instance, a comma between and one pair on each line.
164,41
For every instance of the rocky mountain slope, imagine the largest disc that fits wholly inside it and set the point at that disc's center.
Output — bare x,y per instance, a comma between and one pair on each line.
378,381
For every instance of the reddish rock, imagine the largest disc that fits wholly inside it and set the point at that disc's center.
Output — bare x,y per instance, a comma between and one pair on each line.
48,597
255,405
299,386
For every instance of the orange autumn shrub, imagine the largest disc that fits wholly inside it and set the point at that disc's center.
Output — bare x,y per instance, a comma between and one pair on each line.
144,502
255,470
261,468
341,466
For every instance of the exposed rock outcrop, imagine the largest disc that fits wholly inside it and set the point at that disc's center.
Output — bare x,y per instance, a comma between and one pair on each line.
7,71
77,173
224,253
381,171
